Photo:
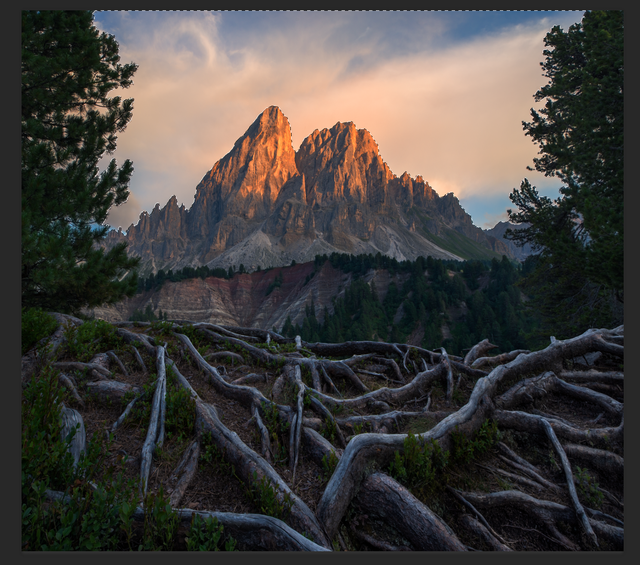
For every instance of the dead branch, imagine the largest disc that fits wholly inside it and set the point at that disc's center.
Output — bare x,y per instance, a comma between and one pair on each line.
482,362
477,351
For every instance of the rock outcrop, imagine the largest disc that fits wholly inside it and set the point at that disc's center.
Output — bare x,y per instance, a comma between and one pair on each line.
264,205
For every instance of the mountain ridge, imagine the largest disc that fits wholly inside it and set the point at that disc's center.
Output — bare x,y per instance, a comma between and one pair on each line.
265,205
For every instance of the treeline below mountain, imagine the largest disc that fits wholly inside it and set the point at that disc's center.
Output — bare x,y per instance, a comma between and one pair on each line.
429,302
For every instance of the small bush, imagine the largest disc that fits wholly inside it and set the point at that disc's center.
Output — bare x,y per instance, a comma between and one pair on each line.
36,325
265,496
207,534
588,488
95,336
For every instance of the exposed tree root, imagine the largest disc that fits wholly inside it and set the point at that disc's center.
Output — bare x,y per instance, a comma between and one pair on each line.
72,420
478,351
602,460
483,533
584,522
483,362
384,497
419,396
154,422
185,471
547,513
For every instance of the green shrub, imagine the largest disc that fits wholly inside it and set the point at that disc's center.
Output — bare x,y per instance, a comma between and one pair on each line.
278,433
588,488
207,534
160,523
421,463
92,337
329,465
36,325
265,496
91,519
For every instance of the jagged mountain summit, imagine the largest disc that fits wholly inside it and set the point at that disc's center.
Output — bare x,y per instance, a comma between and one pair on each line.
264,204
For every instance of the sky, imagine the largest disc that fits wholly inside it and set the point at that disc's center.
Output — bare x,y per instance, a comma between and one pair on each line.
443,93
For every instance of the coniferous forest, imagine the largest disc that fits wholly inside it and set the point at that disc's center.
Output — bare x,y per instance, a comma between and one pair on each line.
485,293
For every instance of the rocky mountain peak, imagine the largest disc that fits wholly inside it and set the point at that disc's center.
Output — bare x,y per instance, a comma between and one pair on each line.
264,204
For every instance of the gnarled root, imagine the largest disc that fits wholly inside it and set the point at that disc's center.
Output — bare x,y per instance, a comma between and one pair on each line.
382,496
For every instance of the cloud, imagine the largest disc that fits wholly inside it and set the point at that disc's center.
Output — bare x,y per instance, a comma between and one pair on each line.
126,214
451,114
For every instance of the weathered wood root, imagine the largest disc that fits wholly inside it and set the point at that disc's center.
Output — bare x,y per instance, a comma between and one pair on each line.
604,377
449,380
264,434
373,542
154,423
525,422
72,422
570,483
477,351
600,459
547,513
186,469
139,359
418,386
111,391
96,371
246,462
218,355
348,474
126,412
68,383
520,464
247,395
112,355
477,514
296,425
483,362
382,496
343,371
256,532
483,533
537,387
251,378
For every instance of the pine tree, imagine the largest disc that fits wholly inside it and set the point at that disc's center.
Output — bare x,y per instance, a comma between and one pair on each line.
69,122
580,235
